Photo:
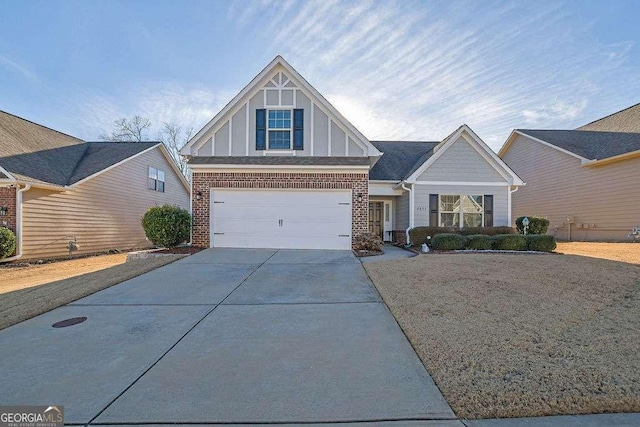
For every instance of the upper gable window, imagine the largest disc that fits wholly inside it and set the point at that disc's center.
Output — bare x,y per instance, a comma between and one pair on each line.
279,126
156,180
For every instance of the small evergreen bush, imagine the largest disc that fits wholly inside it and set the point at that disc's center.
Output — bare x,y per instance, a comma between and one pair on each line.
7,242
448,242
480,242
509,242
540,242
537,225
167,226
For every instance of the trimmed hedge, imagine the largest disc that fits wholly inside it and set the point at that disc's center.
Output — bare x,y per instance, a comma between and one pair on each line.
448,242
167,226
418,235
7,242
480,242
537,225
540,242
509,242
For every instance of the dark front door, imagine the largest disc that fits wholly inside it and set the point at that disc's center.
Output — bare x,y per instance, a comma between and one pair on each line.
375,218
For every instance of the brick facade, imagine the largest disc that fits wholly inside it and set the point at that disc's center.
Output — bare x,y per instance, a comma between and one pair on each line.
203,182
8,200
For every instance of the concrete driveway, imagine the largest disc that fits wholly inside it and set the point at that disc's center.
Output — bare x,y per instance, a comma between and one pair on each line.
226,336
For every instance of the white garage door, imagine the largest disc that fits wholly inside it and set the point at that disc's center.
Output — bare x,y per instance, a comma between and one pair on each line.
281,219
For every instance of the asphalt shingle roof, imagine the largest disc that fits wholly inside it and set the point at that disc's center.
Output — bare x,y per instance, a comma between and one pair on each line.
400,158
35,153
627,120
592,145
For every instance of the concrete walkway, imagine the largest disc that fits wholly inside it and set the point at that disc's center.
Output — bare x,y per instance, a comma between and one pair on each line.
390,253
226,336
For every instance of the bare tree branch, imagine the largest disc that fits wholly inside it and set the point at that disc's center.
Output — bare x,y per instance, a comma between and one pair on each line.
129,130
174,138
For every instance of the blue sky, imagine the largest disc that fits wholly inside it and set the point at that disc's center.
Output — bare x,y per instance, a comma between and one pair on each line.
396,69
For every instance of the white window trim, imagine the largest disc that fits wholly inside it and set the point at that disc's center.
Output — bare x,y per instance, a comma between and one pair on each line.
290,129
157,179
461,213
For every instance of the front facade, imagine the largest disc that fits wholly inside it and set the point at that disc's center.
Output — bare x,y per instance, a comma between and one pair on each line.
92,194
280,167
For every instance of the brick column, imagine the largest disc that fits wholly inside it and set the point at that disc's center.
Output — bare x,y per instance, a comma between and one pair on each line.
8,200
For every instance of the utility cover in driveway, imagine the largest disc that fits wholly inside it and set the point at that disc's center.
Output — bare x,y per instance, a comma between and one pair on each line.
296,219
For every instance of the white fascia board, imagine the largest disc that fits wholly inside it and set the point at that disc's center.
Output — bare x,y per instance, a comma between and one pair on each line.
254,86
464,183
612,159
175,167
9,176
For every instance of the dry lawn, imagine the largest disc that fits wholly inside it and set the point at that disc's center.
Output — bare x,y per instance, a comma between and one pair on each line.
625,252
15,278
513,335
23,304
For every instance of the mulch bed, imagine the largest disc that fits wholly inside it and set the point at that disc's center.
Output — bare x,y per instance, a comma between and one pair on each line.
181,250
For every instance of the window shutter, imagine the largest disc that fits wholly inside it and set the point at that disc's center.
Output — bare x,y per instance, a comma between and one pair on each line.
433,210
298,129
488,210
261,129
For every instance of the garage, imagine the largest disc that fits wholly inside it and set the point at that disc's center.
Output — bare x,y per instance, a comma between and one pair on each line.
282,219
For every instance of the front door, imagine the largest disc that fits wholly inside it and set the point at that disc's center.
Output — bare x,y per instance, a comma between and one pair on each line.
375,218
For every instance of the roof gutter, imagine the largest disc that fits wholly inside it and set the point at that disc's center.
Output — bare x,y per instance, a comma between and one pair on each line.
410,190
18,254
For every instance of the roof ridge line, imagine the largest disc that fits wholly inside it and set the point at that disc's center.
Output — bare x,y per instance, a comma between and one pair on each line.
607,116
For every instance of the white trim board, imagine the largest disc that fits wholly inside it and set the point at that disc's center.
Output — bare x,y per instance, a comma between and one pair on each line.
464,183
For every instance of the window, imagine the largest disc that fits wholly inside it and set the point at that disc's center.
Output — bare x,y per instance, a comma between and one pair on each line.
156,180
279,125
461,209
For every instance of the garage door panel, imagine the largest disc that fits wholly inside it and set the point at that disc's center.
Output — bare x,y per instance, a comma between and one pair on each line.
281,219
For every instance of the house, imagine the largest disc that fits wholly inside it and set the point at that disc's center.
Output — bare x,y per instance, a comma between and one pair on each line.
585,180
280,167
55,189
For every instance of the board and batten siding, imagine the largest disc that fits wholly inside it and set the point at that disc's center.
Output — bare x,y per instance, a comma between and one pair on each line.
324,135
603,200
102,213
461,163
500,200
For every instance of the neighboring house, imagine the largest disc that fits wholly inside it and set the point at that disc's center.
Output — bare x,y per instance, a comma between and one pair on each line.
55,188
585,181
280,167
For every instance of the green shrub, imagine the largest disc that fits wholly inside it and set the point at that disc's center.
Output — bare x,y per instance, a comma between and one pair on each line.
7,242
448,242
489,231
167,226
367,242
418,235
509,242
540,242
537,225
479,242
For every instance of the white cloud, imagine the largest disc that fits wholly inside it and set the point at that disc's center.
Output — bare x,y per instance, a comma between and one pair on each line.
555,112
19,68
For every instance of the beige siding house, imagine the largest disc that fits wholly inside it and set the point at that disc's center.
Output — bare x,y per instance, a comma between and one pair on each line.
280,167
93,194
585,181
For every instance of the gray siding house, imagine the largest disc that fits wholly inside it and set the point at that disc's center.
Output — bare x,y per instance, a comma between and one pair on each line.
585,180
280,167
55,188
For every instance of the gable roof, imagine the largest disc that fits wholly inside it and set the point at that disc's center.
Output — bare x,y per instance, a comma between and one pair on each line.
478,144
400,158
248,90
627,120
37,154
589,145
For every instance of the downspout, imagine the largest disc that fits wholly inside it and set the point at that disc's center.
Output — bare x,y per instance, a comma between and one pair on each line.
19,192
410,190
510,193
